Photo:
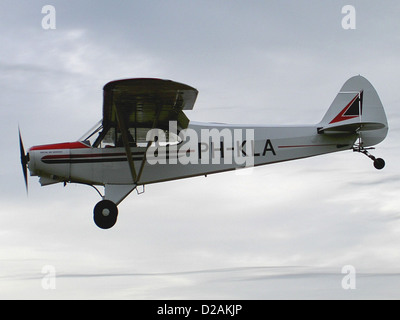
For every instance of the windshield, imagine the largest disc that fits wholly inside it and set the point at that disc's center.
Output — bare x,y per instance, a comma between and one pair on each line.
90,136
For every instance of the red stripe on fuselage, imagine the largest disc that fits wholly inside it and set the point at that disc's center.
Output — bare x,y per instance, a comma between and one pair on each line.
79,156
61,146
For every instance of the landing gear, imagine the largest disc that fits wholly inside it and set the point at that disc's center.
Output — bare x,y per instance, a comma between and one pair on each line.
105,214
378,162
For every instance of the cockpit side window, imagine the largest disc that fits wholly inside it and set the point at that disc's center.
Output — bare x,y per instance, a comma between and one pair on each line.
111,137
107,138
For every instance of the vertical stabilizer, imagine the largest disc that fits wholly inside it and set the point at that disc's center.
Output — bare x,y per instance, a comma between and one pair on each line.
357,109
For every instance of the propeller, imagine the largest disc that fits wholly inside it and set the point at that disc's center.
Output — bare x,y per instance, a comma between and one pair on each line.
24,160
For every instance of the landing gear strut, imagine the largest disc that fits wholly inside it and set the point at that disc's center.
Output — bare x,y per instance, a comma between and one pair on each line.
105,214
378,162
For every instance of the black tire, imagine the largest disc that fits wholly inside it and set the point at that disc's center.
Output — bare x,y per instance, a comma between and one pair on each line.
379,163
105,214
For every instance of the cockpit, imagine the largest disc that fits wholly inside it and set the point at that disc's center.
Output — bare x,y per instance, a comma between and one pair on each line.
110,137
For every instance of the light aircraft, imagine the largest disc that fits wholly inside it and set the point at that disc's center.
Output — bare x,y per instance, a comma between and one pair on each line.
145,137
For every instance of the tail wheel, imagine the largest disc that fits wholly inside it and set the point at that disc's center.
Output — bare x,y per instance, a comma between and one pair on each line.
105,214
379,163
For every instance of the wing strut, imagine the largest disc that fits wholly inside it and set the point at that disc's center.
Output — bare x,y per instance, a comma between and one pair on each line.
125,141
124,130
155,122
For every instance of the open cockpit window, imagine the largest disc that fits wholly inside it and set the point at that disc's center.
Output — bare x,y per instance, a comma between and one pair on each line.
111,137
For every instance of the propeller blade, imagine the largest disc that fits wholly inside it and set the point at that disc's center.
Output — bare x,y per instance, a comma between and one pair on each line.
24,160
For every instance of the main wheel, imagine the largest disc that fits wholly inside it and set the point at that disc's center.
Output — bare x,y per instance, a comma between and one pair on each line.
379,163
105,214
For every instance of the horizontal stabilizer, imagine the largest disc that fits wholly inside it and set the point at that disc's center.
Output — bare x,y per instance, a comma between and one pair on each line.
351,128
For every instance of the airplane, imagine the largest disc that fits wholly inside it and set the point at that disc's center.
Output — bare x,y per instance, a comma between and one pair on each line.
145,137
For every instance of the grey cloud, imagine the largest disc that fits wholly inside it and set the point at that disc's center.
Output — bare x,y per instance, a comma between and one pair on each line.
259,63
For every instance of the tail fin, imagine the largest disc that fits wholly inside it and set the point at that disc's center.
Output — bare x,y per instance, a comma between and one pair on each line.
357,109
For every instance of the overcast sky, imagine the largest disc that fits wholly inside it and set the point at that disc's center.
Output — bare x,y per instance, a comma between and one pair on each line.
279,231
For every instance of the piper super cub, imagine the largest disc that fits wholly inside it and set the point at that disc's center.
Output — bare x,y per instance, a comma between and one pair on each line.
145,137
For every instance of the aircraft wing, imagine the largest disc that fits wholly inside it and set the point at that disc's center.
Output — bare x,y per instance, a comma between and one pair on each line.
144,102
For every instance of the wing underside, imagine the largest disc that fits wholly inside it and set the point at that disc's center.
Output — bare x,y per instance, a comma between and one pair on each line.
141,102
145,103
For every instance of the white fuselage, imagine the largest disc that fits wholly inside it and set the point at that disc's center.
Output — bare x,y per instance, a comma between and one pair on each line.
205,149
